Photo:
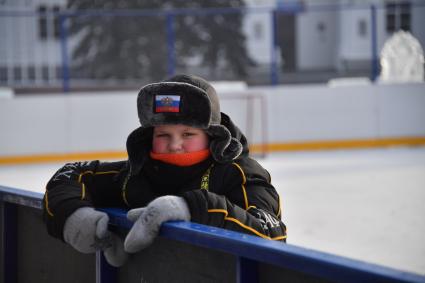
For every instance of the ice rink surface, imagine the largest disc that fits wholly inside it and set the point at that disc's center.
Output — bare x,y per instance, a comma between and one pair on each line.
363,204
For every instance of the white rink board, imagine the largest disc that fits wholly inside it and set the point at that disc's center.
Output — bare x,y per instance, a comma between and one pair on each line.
87,122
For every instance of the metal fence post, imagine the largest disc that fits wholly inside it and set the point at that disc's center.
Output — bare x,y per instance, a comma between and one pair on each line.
274,66
374,46
64,53
105,273
171,56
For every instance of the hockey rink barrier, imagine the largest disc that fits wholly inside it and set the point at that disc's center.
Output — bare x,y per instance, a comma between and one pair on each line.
184,252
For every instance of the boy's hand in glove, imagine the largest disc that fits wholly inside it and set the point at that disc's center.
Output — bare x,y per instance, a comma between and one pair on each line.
86,230
148,220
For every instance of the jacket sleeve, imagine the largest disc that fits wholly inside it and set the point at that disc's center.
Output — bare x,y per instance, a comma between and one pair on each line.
81,184
246,202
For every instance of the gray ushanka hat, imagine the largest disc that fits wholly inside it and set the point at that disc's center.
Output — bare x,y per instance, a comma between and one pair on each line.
188,100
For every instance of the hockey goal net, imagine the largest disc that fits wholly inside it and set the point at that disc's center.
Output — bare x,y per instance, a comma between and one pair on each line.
248,111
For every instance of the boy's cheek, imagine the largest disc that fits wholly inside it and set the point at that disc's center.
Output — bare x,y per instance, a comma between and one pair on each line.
196,145
158,146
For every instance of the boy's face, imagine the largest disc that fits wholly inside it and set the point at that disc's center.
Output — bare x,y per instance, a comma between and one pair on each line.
178,139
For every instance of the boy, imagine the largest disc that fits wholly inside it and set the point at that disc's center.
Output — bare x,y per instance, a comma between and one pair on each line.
187,161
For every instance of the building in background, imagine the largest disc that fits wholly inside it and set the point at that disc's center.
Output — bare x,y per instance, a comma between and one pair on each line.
30,46
309,38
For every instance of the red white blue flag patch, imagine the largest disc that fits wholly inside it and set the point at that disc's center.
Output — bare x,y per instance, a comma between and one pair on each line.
167,103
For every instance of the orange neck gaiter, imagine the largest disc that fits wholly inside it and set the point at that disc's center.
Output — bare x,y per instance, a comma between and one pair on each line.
182,159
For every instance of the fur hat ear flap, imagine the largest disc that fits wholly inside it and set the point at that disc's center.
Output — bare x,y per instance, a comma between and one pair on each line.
223,147
139,143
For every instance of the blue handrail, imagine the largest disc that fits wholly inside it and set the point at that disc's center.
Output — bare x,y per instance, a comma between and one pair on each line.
248,248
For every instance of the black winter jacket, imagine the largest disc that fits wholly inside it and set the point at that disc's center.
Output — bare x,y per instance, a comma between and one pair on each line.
237,195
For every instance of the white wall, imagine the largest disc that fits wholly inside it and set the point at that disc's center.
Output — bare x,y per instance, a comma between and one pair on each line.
66,123
311,113
352,45
88,122
20,43
316,48
418,22
257,28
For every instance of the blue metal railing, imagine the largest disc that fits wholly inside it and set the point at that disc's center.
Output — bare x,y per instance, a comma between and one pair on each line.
249,250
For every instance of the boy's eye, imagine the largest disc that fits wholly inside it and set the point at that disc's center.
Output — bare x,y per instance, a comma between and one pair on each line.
188,134
160,135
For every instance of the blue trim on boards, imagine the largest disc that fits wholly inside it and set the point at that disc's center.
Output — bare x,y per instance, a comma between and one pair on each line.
250,249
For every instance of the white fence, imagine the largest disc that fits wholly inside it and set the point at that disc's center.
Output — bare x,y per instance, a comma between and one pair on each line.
87,122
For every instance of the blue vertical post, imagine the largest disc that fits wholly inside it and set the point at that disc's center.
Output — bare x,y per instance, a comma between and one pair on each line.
64,53
374,46
246,270
10,245
171,53
273,66
105,273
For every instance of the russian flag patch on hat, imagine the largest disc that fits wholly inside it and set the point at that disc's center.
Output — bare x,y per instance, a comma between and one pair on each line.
167,103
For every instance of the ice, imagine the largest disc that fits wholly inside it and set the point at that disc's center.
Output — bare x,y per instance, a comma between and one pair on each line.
363,204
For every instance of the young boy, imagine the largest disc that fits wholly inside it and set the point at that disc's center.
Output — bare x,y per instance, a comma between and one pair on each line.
187,161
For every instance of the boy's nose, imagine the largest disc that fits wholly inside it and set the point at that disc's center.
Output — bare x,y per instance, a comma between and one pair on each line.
176,145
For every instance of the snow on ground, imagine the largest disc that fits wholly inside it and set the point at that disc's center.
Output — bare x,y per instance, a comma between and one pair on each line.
363,204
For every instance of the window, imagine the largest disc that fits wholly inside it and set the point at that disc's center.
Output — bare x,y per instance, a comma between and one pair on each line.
48,22
45,73
58,71
42,22
398,16
17,73
405,16
362,28
56,22
31,73
258,30
3,74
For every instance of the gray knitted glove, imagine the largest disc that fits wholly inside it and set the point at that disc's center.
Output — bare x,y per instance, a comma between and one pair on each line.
115,255
86,230
148,220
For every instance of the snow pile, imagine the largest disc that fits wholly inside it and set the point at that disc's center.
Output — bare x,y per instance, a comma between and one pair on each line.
402,59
